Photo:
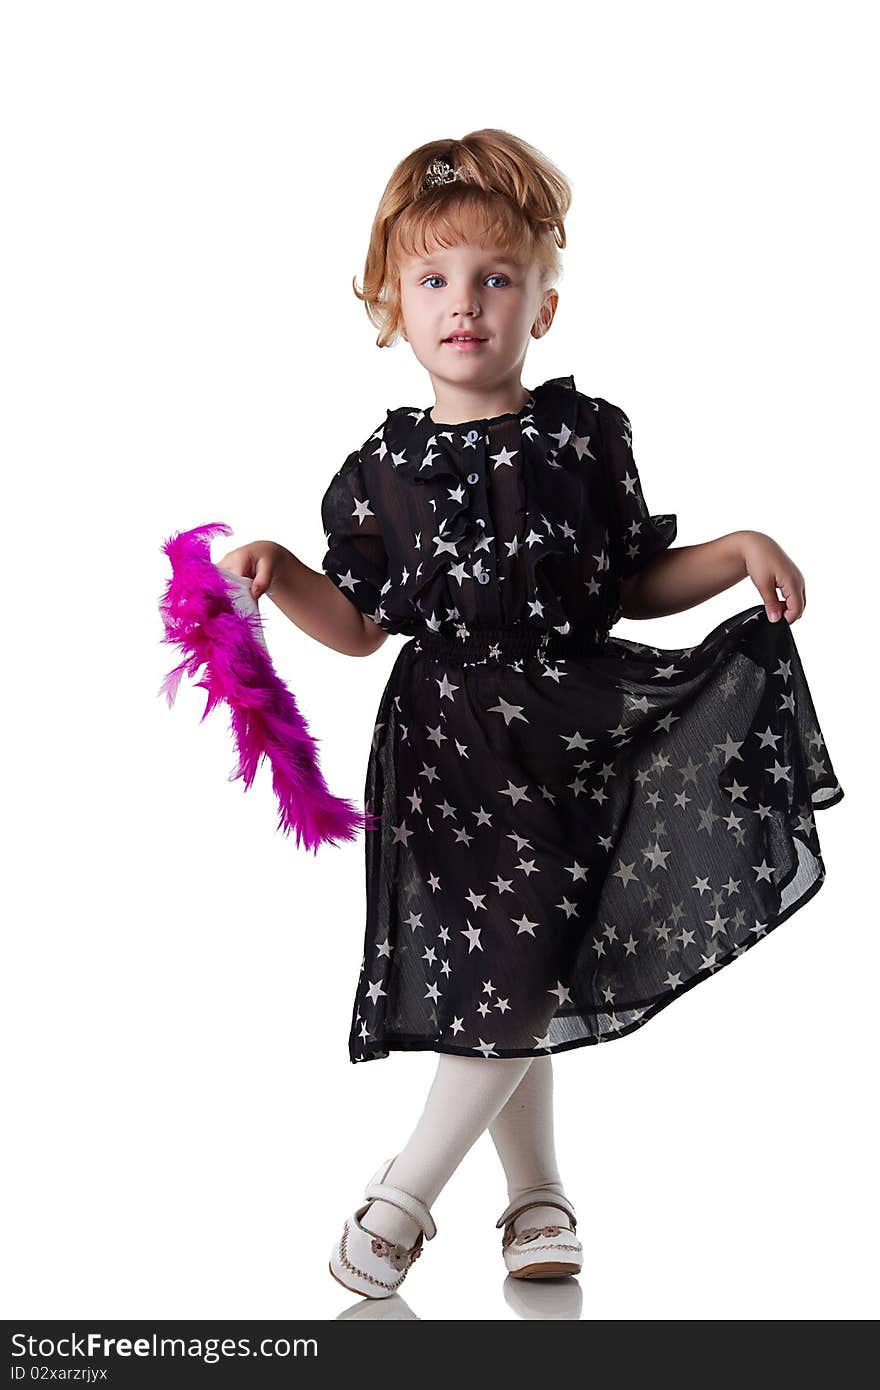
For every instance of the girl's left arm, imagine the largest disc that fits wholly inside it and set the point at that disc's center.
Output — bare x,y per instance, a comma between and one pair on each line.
690,574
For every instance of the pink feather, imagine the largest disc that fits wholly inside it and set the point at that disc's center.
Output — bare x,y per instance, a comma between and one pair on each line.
201,617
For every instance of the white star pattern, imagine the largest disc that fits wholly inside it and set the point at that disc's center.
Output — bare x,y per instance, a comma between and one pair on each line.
563,846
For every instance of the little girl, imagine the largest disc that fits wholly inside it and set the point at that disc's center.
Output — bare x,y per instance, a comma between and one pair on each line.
575,828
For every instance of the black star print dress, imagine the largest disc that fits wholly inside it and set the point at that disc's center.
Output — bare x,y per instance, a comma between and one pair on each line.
570,829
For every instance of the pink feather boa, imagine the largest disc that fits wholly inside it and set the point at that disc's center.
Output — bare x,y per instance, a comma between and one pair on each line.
201,617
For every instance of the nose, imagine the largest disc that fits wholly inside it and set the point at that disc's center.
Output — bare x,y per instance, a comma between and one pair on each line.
466,303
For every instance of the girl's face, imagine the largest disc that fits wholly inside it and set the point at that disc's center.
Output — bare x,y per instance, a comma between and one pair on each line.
478,291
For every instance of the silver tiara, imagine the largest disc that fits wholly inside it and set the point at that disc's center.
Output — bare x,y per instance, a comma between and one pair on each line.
441,171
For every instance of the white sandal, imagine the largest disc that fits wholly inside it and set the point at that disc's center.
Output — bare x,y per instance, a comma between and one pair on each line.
540,1252
368,1264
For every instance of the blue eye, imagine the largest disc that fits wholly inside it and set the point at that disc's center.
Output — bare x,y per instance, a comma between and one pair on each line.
497,276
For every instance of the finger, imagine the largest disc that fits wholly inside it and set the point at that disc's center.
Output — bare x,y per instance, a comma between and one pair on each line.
793,593
262,578
772,604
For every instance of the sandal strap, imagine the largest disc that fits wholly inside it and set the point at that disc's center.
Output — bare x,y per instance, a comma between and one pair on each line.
379,1191
405,1201
538,1197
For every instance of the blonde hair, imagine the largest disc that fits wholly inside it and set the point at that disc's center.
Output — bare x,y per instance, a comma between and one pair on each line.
516,196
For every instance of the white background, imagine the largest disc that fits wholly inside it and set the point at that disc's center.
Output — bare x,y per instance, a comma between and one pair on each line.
188,193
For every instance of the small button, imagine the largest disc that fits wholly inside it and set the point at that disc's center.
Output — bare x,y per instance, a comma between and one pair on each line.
480,521
473,477
472,436
483,577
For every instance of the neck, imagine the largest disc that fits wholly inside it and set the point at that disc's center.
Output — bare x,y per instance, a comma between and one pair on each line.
455,404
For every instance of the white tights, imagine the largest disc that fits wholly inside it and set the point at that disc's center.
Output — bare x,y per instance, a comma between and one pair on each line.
512,1097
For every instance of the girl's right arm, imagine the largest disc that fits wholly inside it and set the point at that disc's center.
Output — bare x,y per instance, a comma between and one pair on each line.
308,597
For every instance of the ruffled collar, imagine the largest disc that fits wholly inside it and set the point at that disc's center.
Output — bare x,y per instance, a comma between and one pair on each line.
420,448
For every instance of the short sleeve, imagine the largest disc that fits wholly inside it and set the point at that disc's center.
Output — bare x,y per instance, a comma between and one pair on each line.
355,559
635,536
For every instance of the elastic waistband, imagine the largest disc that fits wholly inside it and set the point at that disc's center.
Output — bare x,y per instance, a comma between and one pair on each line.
509,644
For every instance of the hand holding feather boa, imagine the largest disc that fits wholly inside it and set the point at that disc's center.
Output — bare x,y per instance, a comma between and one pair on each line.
206,613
